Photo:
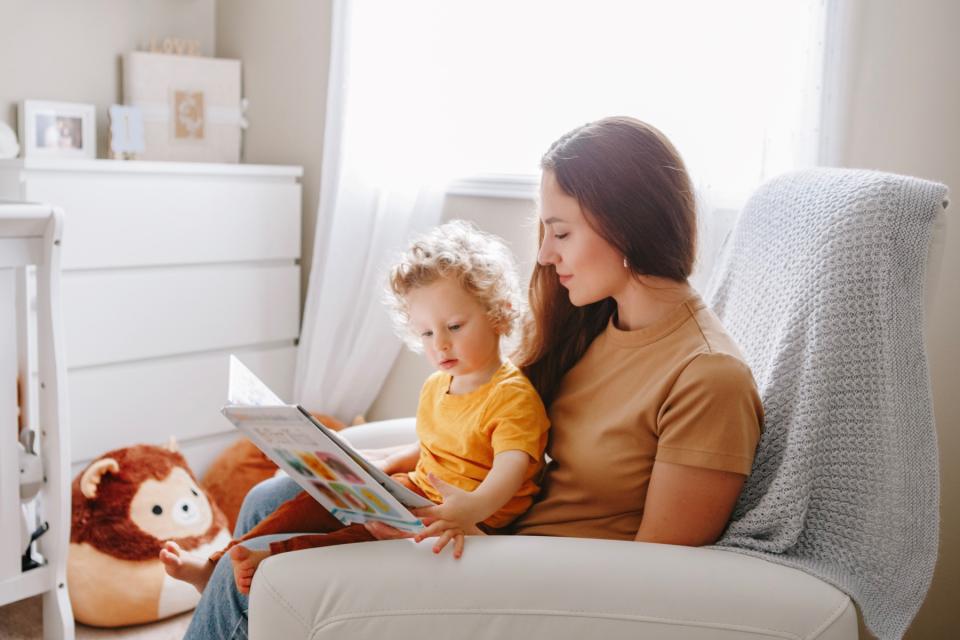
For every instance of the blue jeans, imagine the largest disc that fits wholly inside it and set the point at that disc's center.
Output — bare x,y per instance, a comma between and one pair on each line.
222,611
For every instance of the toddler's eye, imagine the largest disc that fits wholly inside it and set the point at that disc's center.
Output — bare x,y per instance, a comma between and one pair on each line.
454,327
426,334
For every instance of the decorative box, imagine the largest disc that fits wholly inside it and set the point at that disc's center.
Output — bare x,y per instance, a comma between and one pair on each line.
192,110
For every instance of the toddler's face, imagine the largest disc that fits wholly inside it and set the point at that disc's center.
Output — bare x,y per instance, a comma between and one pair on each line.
456,334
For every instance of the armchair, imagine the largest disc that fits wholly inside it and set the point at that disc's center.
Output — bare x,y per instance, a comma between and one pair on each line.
516,586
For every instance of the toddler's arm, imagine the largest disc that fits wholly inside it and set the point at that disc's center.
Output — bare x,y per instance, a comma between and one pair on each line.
462,510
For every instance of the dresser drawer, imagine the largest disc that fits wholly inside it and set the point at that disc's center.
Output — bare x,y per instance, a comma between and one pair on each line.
130,314
150,401
117,221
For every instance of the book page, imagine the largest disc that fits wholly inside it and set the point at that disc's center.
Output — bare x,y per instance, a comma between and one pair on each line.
406,497
247,389
320,465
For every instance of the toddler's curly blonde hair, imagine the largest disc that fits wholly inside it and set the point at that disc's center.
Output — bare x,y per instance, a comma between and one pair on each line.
480,262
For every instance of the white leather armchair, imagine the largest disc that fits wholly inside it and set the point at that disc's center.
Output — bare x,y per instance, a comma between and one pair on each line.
539,587
536,587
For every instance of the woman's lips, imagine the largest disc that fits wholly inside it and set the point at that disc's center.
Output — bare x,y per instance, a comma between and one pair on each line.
564,279
446,364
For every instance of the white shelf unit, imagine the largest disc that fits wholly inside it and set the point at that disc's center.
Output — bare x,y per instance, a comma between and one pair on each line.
167,269
30,253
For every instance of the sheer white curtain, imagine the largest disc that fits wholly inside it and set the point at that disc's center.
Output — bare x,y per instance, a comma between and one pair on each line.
427,90
382,182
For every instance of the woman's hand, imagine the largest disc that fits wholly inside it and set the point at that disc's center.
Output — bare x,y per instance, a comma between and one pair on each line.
392,460
380,458
382,531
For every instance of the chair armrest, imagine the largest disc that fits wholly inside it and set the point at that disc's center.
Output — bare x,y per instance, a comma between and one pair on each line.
385,433
538,587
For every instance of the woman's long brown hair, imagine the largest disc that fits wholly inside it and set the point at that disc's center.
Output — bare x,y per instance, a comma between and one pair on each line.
634,191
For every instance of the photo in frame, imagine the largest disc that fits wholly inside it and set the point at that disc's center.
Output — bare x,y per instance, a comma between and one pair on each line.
192,107
126,132
57,129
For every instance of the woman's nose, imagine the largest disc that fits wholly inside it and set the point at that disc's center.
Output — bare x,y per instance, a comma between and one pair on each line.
545,256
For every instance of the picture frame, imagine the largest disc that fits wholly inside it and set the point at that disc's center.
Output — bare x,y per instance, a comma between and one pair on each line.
192,106
57,129
126,132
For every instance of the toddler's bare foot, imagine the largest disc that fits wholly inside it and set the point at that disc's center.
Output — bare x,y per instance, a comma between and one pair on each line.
185,566
245,563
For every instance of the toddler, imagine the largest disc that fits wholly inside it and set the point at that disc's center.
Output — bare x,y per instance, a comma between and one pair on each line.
481,426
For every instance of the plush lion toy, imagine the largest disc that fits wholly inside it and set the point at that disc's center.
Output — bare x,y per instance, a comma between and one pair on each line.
125,505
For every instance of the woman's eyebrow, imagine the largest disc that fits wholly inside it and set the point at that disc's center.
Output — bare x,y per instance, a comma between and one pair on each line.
552,220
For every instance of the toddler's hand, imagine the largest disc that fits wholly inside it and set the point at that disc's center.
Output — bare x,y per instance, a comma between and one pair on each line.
245,563
454,534
454,519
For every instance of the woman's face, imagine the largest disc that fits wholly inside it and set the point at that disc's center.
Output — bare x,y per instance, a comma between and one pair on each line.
586,264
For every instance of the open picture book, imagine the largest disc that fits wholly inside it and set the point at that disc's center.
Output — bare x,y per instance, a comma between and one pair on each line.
317,458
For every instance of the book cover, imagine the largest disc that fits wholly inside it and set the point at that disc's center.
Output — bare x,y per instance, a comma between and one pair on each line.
317,458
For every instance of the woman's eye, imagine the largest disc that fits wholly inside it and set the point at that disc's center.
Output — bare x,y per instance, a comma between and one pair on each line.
561,236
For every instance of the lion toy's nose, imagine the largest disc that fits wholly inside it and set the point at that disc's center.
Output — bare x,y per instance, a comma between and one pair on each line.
186,511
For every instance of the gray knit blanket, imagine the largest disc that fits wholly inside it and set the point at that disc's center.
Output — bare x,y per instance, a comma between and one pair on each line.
821,284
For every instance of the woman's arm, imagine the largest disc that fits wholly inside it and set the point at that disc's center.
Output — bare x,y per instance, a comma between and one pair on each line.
688,505
394,459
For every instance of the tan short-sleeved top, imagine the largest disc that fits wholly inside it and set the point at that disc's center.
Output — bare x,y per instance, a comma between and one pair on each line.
677,391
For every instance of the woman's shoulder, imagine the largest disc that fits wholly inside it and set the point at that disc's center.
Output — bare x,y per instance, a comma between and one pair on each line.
718,369
713,359
712,336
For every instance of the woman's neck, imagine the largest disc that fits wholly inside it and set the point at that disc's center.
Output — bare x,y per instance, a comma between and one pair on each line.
646,300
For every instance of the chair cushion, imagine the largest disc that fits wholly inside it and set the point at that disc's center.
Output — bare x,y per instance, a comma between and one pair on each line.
516,586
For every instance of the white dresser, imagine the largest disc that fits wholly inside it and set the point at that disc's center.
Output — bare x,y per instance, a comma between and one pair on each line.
167,269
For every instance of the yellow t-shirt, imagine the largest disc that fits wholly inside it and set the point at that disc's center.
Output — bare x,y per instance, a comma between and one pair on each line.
460,434
678,391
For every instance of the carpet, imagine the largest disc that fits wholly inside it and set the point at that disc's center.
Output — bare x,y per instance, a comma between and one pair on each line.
23,620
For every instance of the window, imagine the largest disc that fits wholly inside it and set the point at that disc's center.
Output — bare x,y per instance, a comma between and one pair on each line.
485,87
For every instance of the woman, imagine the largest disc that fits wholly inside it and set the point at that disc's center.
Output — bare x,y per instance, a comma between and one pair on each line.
655,416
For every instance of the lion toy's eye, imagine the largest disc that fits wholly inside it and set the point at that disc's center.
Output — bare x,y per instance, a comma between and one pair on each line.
157,510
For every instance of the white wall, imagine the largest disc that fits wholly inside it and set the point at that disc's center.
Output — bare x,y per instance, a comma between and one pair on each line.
69,51
904,116
285,49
